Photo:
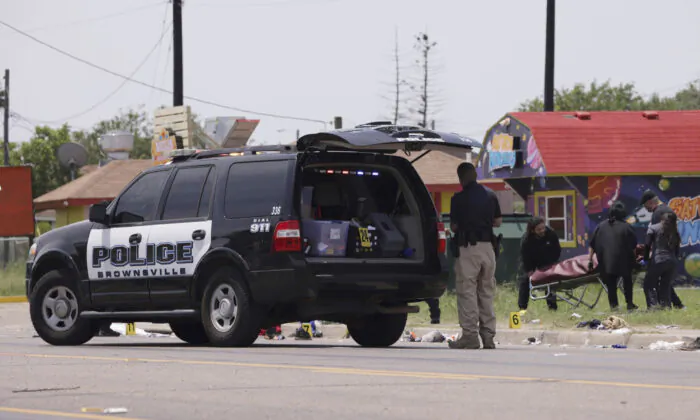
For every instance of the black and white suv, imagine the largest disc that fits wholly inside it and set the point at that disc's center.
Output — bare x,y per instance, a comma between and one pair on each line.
222,243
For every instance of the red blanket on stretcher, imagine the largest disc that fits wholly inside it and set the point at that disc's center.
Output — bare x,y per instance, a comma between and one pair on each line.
570,269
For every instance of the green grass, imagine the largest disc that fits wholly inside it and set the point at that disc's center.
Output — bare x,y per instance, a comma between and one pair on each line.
507,301
12,280
12,284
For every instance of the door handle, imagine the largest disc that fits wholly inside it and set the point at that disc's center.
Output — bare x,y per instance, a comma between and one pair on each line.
135,238
198,235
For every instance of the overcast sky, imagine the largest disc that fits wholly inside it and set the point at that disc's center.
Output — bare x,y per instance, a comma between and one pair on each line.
320,58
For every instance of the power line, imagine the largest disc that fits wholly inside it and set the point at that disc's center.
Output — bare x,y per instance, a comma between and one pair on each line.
96,18
106,98
155,72
192,98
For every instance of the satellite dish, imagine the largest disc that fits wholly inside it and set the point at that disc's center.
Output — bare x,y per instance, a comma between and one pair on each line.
72,155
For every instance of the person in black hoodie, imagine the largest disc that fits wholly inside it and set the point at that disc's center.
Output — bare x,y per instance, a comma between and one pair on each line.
614,242
539,248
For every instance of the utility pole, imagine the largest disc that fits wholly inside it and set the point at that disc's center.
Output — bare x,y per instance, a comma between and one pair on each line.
6,120
177,53
549,60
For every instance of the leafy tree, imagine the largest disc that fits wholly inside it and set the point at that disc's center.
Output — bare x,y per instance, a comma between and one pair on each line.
40,152
607,97
135,122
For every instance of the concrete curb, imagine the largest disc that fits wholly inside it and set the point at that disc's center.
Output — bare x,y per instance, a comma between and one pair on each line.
638,340
13,299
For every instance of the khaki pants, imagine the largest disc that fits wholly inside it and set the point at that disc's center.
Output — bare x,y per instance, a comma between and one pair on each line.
476,285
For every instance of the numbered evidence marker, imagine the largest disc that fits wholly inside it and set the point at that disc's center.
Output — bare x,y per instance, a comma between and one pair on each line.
306,326
130,328
514,321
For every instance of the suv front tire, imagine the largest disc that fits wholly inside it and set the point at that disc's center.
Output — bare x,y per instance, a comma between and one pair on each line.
229,316
54,308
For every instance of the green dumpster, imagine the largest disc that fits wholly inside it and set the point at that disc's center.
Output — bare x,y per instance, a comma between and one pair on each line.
512,228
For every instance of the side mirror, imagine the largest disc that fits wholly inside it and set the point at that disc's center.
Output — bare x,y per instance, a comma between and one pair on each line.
98,213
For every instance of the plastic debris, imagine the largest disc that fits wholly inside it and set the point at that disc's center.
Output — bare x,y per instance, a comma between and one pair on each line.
667,327
433,337
409,336
532,341
665,345
621,331
692,346
592,324
111,410
619,346
535,321
120,328
613,323
559,354
576,316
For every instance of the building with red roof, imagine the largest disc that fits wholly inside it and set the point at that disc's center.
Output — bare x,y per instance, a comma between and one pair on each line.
570,167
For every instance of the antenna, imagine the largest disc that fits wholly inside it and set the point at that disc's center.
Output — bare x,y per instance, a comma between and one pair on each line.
72,155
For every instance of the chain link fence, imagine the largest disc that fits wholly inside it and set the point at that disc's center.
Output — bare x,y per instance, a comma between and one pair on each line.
13,257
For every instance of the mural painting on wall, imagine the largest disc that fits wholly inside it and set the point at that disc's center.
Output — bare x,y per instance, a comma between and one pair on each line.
510,151
681,194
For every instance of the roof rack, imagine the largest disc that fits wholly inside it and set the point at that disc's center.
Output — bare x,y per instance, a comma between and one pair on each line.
181,155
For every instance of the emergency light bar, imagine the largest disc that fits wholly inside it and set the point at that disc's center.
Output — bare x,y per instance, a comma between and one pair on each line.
346,172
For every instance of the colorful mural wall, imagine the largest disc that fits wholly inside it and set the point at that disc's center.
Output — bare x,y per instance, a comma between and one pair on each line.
681,194
510,152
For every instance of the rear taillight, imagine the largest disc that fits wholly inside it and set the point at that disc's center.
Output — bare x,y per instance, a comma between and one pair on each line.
287,237
442,238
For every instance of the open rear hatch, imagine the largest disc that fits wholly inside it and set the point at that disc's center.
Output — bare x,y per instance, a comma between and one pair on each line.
354,210
386,138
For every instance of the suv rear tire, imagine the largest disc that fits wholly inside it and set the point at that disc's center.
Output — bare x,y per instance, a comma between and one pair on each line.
54,308
378,330
229,317
191,332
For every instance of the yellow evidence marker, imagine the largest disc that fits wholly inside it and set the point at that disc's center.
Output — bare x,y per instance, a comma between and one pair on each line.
514,320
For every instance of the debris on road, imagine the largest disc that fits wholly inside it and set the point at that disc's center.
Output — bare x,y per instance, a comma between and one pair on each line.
111,410
533,341
434,337
593,324
667,327
614,323
120,328
692,346
560,354
665,345
619,346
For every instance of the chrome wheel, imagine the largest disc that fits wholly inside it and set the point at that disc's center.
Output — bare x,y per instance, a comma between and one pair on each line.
60,308
223,308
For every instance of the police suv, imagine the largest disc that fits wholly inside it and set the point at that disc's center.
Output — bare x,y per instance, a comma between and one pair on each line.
222,243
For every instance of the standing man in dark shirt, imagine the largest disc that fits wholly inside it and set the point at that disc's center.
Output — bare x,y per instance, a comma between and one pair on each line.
613,242
651,202
474,213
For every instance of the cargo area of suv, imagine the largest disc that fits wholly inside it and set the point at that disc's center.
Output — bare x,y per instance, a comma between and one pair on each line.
357,211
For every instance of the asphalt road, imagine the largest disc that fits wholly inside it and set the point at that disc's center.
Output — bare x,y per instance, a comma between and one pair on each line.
161,378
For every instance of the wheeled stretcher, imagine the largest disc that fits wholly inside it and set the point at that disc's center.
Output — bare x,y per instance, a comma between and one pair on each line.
570,281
